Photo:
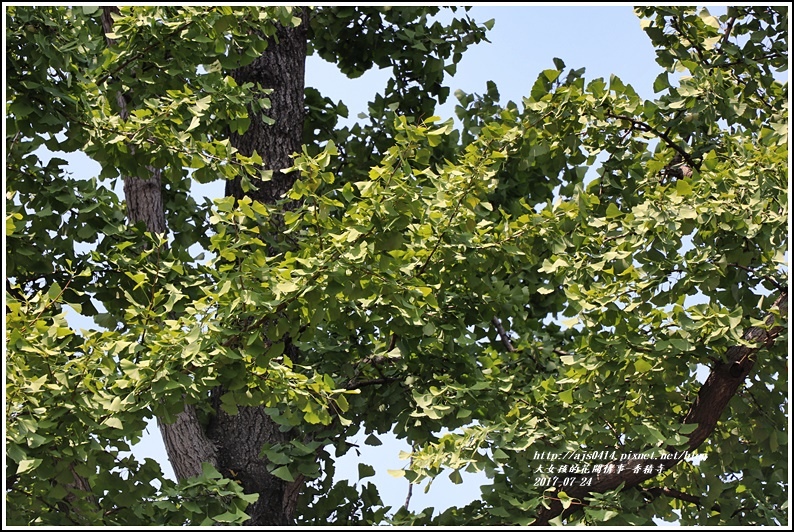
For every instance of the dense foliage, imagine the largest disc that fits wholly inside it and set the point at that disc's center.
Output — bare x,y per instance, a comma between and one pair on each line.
473,291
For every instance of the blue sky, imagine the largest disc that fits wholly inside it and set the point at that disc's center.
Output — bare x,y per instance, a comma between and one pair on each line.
524,40
604,39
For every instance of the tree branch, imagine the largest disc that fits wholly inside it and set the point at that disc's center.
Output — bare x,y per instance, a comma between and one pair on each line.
680,495
503,335
705,411
186,443
410,490
772,281
408,497
728,29
694,44
650,129
361,384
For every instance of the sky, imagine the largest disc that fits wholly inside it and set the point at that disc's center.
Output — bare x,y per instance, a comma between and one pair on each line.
604,39
524,39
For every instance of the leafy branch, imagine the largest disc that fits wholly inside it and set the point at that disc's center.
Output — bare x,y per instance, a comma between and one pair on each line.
727,33
107,22
48,305
705,411
372,382
767,278
642,126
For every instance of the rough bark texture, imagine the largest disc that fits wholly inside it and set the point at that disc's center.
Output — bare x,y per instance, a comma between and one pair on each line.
187,445
240,438
706,410
145,200
233,443
281,68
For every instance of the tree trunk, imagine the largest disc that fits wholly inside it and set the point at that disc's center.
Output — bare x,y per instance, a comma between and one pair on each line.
185,442
240,438
144,196
233,443
281,68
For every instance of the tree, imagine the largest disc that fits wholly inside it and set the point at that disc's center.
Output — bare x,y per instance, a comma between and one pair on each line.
473,291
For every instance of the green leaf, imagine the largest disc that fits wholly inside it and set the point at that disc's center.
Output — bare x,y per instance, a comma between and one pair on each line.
113,422
194,123
566,396
231,517
642,366
28,465
55,291
286,287
551,74
342,403
312,417
661,82
373,440
688,428
229,404
365,471
613,211
683,188
564,499
283,473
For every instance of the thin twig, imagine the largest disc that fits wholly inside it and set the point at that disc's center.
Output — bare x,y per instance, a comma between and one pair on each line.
361,384
503,335
650,129
408,497
728,29
410,489
765,277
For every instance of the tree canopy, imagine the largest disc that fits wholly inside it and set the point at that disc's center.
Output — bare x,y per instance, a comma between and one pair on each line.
536,294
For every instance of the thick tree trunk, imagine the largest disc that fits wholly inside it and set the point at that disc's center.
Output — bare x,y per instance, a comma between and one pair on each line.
240,438
233,443
281,68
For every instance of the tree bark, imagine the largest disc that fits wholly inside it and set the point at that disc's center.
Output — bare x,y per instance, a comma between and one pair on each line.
706,410
282,68
185,442
233,443
143,195
240,438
